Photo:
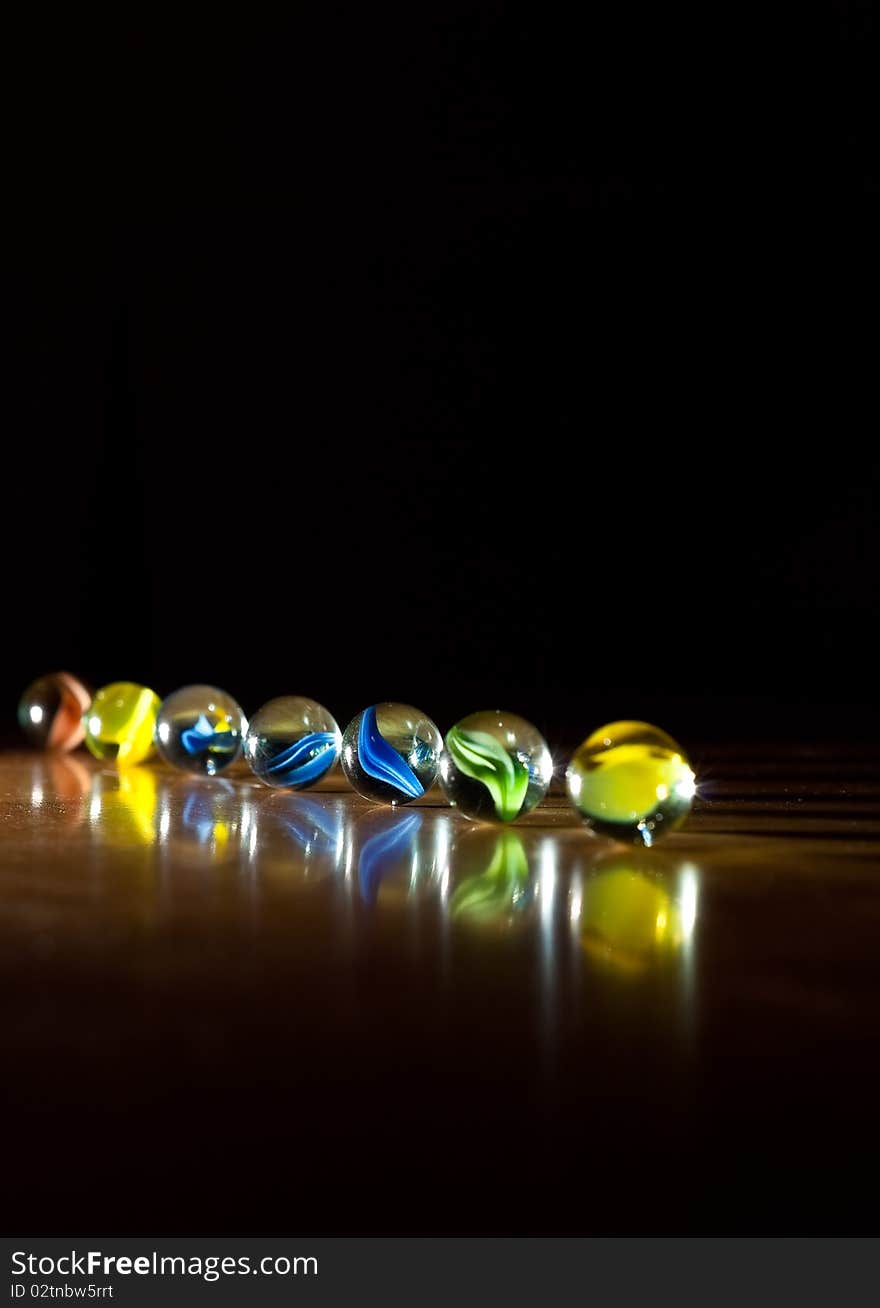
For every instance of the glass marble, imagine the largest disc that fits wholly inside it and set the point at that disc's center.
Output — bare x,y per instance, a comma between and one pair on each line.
390,753
50,712
120,722
631,781
292,742
200,729
495,766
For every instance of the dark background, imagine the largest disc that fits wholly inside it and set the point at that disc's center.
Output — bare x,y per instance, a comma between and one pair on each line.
475,358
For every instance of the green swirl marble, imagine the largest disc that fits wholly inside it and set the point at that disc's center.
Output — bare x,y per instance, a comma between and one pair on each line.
479,756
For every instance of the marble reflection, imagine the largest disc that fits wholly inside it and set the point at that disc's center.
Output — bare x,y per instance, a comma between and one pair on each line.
60,783
493,882
379,855
295,833
143,806
598,916
203,818
633,913
393,859
123,806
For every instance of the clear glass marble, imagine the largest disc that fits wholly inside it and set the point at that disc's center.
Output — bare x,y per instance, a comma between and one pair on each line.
390,753
292,742
495,766
631,781
200,729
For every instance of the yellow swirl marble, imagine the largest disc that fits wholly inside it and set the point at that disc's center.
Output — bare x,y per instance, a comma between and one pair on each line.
120,722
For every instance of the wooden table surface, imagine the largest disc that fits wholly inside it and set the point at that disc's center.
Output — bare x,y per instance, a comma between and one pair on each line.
227,1010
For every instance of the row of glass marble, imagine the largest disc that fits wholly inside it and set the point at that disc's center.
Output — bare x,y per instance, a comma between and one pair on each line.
628,780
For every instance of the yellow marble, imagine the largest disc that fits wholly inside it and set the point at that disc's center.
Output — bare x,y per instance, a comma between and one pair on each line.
631,781
120,722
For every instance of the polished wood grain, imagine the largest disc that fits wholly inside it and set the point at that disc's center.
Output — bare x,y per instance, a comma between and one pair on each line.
230,1010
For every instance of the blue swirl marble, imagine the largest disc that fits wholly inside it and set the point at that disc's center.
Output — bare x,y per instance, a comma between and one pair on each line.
303,762
380,761
201,738
378,852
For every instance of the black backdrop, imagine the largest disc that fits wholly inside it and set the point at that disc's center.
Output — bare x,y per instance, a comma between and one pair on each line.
464,360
